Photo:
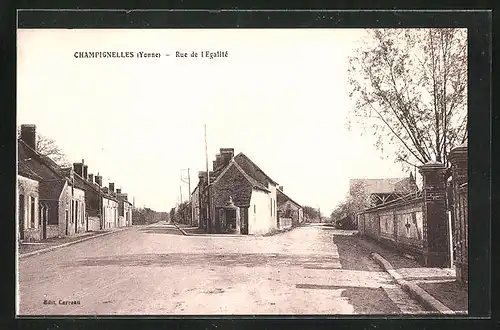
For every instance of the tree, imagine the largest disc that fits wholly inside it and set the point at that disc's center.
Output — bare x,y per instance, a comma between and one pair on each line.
410,85
344,215
48,147
310,212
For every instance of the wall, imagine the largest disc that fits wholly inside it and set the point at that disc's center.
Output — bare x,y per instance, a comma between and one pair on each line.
29,188
195,206
399,224
127,213
52,231
94,223
79,216
260,221
64,205
110,209
292,211
285,223
273,203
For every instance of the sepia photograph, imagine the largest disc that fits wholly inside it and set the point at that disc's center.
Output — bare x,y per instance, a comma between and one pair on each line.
302,171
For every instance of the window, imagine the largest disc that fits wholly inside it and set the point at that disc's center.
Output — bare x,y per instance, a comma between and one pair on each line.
254,208
32,213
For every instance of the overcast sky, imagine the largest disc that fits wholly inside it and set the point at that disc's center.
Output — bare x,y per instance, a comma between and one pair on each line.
280,97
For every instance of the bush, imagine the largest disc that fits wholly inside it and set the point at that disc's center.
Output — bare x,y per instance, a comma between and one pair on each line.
346,223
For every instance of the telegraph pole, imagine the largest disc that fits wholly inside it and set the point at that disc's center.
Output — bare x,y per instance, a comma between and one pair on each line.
209,224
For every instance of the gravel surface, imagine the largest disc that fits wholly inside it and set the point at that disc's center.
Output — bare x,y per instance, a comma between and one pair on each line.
155,270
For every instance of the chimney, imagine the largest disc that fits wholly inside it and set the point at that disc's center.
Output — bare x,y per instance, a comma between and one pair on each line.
28,135
91,177
218,160
226,155
214,165
98,180
112,187
78,167
85,171
118,191
281,188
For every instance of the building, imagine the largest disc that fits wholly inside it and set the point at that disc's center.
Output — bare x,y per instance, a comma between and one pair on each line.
124,209
240,197
109,207
288,210
195,204
47,195
383,190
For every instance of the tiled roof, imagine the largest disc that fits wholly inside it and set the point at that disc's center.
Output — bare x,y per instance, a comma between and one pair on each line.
29,161
376,186
282,198
250,168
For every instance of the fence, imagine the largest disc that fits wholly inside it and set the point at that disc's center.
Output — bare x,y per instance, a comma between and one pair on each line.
460,218
285,223
419,225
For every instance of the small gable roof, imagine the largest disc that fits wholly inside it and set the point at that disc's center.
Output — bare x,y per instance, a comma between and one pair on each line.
376,186
255,184
282,198
52,181
251,169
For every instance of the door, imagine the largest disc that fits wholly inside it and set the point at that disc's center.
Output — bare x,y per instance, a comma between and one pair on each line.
244,222
44,221
21,216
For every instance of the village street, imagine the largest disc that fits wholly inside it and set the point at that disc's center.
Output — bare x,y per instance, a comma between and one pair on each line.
155,270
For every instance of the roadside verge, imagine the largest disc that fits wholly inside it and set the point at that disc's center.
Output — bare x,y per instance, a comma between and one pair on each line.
54,247
417,293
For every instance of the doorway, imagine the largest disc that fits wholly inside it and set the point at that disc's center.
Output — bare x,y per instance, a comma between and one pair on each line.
21,217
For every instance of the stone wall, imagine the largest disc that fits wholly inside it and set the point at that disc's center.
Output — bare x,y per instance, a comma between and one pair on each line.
94,223
415,224
52,231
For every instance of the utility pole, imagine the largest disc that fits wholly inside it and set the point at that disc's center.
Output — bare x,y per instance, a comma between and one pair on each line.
180,189
209,224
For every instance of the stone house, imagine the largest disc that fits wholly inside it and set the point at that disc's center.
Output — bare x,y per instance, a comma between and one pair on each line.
195,203
29,216
52,213
242,196
288,210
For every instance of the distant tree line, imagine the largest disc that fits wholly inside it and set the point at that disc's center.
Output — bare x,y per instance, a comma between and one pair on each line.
310,213
181,213
144,216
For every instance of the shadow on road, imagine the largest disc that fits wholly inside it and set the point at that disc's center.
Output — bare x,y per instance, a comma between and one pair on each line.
191,259
161,230
353,255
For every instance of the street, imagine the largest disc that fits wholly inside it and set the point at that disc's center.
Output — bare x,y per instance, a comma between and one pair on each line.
155,270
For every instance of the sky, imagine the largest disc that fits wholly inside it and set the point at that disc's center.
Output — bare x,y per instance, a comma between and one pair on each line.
280,97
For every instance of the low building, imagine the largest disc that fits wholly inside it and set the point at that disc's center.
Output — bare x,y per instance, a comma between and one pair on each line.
290,213
195,206
124,209
383,190
53,213
240,197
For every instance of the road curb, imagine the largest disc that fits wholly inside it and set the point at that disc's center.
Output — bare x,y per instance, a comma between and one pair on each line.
180,229
416,292
41,251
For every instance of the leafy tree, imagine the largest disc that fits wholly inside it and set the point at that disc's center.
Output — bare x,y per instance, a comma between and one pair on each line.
48,147
344,215
310,212
410,91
